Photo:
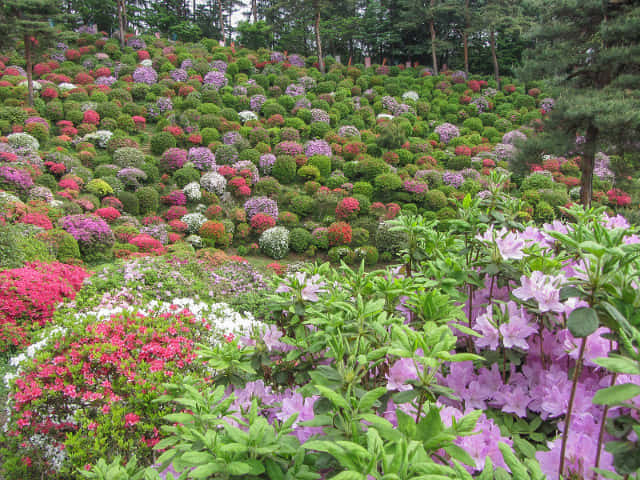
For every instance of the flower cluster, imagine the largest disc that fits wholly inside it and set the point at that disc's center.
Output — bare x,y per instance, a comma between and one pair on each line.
264,205
446,132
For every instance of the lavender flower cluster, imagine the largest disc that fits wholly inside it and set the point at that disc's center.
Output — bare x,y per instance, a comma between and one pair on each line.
296,60
319,115
159,232
202,158
317,147
216,79
547,104
514,137
294,90
454,179
265,205
219,65
266,163
505,151
179,75
348,131
277,57
146,75
88,229
481,103
256,102
601,167
106,80
136,43
162,105
447,132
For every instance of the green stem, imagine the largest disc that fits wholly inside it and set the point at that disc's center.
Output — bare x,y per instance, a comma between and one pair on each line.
601,434
567,422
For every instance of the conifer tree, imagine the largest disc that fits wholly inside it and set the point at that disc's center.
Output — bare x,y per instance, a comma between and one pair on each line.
590,51
32,22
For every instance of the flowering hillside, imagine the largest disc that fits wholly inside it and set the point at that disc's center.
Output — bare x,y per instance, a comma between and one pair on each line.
494,332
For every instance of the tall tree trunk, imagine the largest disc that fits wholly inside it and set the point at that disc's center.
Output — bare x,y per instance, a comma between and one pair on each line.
465,37
221,14
121,21
194,10
433,39
254,10
586,166
318,40
27,56
494,56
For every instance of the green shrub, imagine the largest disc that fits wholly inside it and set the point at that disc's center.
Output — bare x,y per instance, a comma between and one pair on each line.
61,244
302,205
386,184
99,188
299,240
186,175
308,172
148,200
161,142
285,169
388,240
434,200
536,181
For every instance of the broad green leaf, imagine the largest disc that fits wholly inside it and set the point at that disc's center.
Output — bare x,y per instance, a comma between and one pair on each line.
370,398
347,475
616,394
582,322
619,364
238,468
334,397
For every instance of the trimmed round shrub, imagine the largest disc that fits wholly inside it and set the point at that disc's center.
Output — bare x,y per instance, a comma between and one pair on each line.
388,240
302,205
61,244
285,169
299,240
148,200
322,163
161,142
186,175
386,184
130,202
536,181
434,200
274,242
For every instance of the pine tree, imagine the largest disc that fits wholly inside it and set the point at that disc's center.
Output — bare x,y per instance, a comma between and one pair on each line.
29,21
590,51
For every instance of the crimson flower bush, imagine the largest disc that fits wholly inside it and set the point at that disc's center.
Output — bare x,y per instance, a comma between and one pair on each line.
29,297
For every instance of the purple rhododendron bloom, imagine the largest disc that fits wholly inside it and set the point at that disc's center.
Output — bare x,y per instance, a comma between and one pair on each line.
401,371
296,403
545,289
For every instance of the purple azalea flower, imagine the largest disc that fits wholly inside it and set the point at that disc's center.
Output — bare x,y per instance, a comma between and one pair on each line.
401,371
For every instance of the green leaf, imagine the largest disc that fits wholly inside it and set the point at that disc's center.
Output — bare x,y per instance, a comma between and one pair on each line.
370,398
197,458
616,394
238,468
582,322
334,397
619,364
594,248
347,475
274,471
204,471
